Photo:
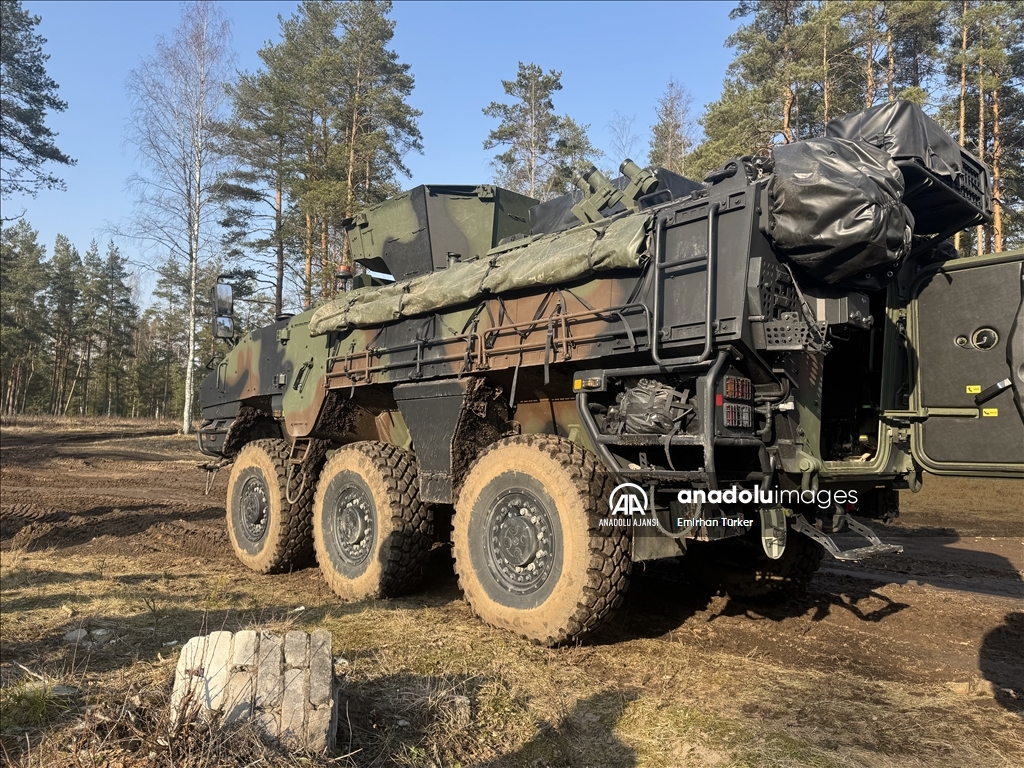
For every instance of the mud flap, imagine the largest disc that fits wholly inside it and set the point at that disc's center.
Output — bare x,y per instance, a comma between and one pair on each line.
773,531
876,547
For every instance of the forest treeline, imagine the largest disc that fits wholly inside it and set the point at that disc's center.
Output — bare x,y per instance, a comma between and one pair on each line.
254,172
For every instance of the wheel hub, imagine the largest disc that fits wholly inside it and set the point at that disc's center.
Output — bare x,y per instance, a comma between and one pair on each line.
519,541
353,525
255,509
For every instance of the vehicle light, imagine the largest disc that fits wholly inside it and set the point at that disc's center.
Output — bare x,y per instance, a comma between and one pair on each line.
740,416
591,382
738,388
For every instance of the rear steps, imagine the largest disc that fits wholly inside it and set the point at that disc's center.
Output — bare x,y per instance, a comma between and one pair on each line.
876,547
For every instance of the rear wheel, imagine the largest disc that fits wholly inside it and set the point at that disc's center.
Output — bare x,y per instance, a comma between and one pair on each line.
268,533
740,568
371,532
529,552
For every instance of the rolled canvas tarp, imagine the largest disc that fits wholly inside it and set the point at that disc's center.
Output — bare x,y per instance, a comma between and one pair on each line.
550,260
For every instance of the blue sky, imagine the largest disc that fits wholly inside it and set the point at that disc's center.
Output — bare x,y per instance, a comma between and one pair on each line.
613,57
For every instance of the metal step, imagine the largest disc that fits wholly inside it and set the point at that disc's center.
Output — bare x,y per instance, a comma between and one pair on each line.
876,547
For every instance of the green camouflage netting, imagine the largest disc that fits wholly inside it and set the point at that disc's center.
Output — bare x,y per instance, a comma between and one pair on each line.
549,260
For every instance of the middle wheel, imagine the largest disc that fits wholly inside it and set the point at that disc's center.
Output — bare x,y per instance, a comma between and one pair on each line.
371,532
529,550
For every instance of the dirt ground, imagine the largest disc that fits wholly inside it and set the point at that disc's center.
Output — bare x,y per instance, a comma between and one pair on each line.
911,660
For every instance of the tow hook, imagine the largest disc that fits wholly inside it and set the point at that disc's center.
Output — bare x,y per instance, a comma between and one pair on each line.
211,468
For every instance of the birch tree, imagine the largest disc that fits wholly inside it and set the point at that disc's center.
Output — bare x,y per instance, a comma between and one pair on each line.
670,134
178,98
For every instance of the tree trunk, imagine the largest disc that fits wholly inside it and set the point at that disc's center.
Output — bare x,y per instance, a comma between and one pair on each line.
997,150
193,283
826,90
307,291
279,231
997,207
88,375
869,56
71,394
963,92
353,134
789,97
325,266
109,344
981,129
891,72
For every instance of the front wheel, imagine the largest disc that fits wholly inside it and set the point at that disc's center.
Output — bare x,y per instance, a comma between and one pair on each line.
529,551
371,531
269,533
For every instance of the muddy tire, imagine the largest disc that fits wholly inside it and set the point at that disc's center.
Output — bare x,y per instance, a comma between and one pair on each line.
548,573
371,532
739,567
268,534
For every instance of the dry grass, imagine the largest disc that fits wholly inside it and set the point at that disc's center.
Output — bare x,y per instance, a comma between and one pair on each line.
428,685
676,680
71,424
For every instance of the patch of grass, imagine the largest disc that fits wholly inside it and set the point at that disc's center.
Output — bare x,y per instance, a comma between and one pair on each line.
32,704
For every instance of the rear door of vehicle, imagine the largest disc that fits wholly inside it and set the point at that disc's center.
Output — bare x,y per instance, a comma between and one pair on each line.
965,330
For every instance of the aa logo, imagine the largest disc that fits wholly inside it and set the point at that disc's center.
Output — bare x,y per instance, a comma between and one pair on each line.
628,498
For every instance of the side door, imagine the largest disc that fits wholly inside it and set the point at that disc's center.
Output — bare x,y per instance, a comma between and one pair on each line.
965,329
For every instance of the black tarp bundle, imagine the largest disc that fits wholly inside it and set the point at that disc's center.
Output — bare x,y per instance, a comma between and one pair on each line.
905,133
835,212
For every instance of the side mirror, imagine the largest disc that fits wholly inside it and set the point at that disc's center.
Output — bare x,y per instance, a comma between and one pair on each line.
223,300
223,328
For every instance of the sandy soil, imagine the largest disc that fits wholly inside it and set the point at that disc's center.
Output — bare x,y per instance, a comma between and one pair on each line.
912,659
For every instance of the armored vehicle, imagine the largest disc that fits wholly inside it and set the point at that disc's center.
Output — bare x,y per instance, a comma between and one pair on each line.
723,372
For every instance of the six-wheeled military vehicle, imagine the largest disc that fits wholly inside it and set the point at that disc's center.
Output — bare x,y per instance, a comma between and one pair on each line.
722,371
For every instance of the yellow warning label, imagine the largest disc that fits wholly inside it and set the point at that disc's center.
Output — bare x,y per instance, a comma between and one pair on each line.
989,411
973,389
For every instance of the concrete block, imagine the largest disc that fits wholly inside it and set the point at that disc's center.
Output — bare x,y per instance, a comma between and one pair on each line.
320,735
244,654
269,683
296,644
188,680
285,686
216,670
268,723
238,703
321,671
293,707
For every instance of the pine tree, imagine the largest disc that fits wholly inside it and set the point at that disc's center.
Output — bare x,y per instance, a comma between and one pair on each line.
63,297
767,98
543,149
22,315
379,125
26,94
260,140
116,317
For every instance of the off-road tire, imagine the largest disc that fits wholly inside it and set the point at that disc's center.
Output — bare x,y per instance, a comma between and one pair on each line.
396,543
287,543
739,567
589,567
